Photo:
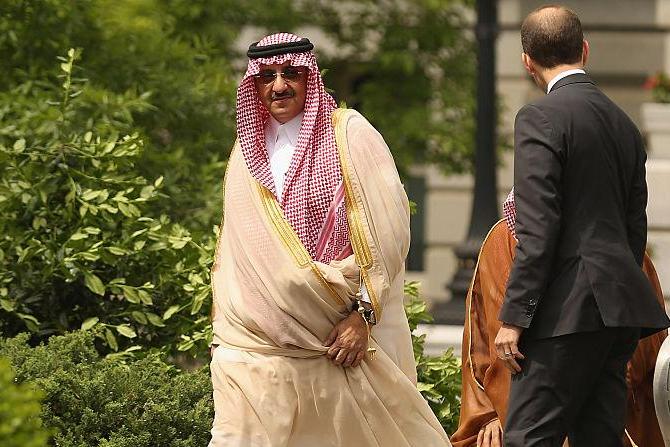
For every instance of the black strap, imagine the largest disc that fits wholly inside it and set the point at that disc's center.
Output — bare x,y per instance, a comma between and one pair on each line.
301,46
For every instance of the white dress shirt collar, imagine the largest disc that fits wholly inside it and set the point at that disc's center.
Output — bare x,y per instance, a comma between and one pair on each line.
562,75
291,129
280,142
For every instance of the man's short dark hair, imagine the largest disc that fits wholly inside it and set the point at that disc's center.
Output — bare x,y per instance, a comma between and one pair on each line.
552,35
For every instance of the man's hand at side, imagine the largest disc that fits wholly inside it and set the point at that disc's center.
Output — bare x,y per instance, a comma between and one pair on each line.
490,435
507,347
348,341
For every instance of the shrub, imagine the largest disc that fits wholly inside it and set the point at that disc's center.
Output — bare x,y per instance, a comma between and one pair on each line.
122,401
81,246
112,402
20,425
439,378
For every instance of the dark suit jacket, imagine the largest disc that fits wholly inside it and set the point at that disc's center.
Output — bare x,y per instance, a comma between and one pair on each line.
581,195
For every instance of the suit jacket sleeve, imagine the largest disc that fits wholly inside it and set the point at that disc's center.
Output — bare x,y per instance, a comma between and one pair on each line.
636,219
537,193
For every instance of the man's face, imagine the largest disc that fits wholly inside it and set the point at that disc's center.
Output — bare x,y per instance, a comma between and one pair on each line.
282,94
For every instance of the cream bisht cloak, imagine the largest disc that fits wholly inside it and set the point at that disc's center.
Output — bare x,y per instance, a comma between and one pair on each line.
274,307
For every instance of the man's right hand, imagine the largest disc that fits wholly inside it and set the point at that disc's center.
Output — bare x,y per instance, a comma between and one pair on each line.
490,435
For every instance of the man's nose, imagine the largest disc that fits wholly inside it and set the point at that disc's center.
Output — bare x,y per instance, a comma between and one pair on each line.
279,85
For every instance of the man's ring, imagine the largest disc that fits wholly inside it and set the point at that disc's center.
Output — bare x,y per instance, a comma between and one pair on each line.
508,354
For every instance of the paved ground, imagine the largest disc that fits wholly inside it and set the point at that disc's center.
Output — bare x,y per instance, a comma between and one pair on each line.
440,337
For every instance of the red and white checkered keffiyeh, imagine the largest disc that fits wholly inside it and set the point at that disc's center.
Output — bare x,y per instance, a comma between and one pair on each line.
314,175
509,212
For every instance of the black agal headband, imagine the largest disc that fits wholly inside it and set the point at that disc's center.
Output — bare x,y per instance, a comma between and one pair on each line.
301,46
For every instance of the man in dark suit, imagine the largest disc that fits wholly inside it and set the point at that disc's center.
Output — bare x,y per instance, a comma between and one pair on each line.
577,300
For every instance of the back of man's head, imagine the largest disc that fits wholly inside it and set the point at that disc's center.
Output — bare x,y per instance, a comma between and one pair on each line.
552,35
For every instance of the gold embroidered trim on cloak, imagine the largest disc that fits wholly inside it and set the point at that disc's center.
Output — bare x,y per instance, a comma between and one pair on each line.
355,213
291,240
468,304
223,209
220,235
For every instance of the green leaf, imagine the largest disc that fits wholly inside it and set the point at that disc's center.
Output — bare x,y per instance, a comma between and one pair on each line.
138,232
92,230
90,195
155,319
39,222
147,191
422,387
87,136
125,209
7,305
31,322
185,345
118,251
171,311
89,323
78,236
88,255
139,317
94,283
199,300
145,297
126,331
111,339
19,145
131,294
109,147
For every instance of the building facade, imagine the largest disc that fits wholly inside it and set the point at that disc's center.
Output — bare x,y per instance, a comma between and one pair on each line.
630,40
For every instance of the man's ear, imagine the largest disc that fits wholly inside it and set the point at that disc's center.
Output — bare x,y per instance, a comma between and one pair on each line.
528,64
585,52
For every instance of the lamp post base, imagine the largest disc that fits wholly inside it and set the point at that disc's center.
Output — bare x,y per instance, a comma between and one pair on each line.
453,311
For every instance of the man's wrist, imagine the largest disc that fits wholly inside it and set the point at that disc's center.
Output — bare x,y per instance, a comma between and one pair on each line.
366,311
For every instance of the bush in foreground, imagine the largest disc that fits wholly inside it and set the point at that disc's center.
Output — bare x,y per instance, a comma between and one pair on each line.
20,424
111,402
439,377
81,245
122,401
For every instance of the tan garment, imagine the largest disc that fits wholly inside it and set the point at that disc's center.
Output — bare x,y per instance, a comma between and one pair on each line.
276,306
486,382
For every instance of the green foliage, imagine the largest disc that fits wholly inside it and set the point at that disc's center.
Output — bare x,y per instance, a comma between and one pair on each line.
81,246
20,425
659,84
134,50
407,66
111,184
91,401
439,378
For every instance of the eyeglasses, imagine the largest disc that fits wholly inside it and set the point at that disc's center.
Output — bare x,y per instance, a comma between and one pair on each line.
289,74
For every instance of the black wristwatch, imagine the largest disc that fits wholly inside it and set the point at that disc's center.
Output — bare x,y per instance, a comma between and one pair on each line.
367,314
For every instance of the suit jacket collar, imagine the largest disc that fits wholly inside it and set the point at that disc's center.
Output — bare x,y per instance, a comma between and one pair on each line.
577,78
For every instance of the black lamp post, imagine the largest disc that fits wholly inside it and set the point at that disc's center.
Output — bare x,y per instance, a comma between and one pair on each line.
485,201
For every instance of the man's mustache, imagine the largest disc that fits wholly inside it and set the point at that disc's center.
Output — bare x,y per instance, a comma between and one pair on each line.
283,95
